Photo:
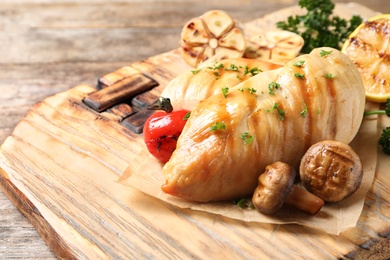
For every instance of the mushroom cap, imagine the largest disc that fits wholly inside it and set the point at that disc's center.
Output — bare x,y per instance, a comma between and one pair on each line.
331,170
274,186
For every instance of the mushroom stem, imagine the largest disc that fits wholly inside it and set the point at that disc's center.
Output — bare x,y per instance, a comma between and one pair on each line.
303,200
276,187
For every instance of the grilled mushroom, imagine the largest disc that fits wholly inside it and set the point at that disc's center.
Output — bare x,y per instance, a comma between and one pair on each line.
214,34
331,170
276,187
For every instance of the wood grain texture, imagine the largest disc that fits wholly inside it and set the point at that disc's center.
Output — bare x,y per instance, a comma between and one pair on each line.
125,89
48,48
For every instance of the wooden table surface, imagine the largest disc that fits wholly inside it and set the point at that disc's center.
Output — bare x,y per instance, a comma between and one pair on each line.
49,47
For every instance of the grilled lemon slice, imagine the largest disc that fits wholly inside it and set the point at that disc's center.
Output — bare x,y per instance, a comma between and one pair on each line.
369,48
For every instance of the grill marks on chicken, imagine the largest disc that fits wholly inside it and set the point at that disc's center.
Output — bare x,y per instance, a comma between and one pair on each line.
307,107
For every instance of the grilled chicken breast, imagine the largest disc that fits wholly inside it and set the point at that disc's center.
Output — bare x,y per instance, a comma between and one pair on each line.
274,116
189,88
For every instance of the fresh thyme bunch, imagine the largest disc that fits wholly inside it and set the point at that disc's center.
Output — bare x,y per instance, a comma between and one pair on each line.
318,27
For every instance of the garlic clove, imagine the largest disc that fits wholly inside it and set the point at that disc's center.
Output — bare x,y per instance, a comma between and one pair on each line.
233,40
274,45
218,22
195,32
191,54
225,53
207,54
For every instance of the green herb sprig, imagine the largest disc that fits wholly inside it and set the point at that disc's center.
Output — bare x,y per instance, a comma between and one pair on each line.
225,91
272,86
319,27
304,111
244,203
324,53
218,126
187,116
280,111
232,67
217,65
299,63
247,137
330,76
253,71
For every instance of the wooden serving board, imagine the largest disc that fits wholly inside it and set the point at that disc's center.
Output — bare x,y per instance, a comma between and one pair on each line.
62,162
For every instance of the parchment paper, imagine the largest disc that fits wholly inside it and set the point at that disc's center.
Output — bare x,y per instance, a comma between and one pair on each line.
145,174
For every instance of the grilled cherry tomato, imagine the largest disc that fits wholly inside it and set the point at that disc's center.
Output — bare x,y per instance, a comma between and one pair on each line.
161,131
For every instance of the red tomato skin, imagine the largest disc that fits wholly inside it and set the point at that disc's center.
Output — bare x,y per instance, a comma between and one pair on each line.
161,131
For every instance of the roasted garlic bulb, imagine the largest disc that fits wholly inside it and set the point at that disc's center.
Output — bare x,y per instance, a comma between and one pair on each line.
214,34
277,46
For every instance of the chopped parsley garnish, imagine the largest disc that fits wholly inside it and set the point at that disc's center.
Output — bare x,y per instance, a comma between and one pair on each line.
272,86
247,138
324,53
304,111
225,91
330,76
241,203
232,67
195,71
187,116
299,63
244,203
280,111
217,65
252,90
254,71
299,75
218,126
216,73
